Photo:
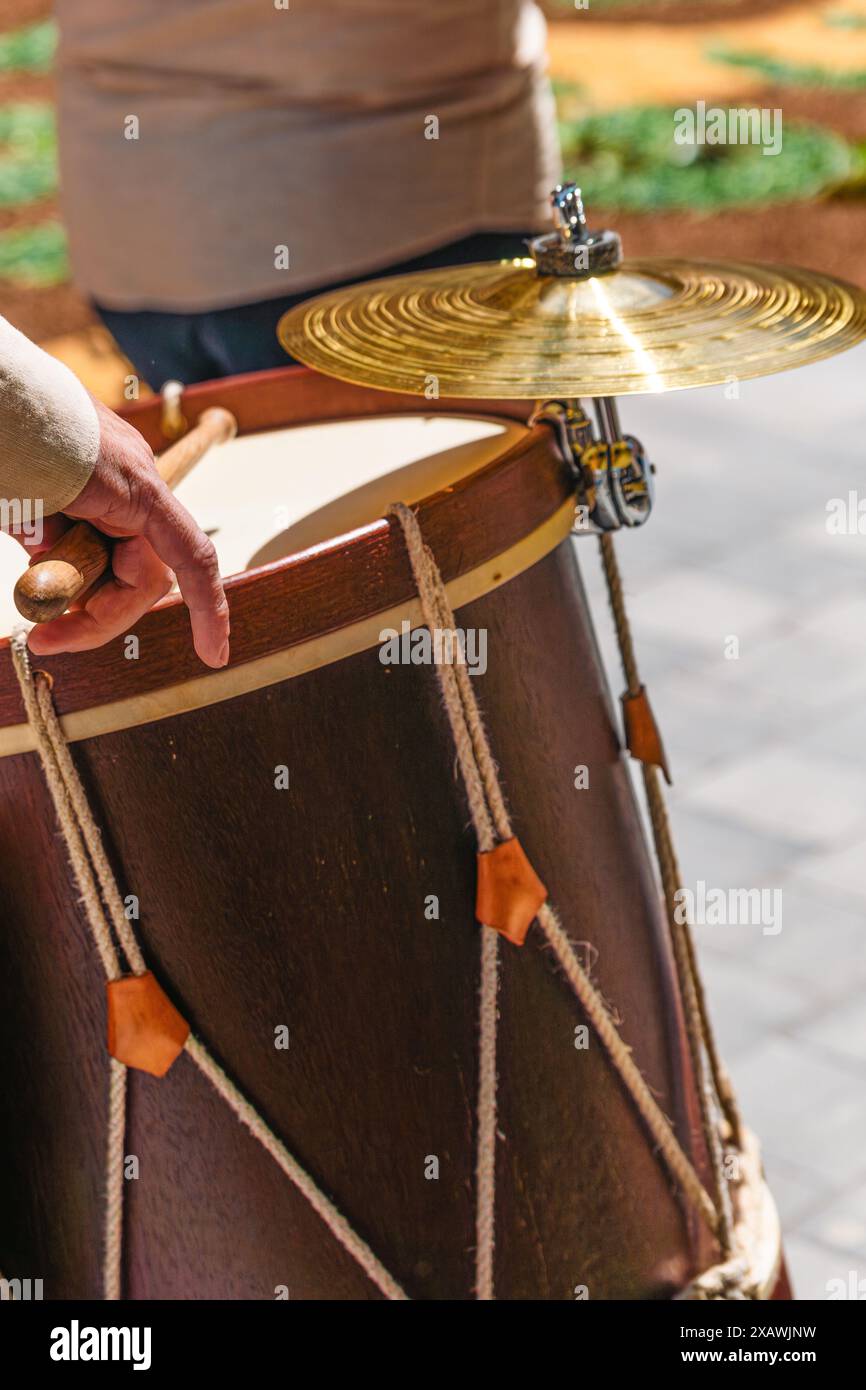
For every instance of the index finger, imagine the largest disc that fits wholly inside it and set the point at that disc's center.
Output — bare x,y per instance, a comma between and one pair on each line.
185,548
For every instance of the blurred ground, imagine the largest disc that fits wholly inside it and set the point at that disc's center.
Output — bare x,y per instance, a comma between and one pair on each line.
646,63
646,60
768,750
768,756
809,60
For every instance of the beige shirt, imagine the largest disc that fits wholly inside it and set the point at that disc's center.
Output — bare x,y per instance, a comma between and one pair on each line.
217,152
49,432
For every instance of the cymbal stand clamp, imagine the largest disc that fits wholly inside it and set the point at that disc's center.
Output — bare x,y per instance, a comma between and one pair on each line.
613,476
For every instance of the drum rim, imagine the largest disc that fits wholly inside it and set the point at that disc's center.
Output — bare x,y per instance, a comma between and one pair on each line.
256,400
528,512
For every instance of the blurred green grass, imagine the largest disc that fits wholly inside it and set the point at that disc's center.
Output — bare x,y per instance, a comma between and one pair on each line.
793,74
845,21
627,159
34,257
28,152
30,49
559,8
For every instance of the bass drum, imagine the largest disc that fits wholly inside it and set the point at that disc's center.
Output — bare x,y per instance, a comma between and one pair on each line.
296,838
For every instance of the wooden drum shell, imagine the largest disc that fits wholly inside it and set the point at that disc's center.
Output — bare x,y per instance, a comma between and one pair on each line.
305,907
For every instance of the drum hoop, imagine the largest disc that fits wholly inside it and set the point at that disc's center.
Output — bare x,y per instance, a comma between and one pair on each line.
311,603
287,397
295,660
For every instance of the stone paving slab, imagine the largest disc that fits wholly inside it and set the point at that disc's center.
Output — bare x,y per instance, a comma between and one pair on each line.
769,758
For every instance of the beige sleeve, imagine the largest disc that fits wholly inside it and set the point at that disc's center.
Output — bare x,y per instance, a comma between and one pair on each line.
49,429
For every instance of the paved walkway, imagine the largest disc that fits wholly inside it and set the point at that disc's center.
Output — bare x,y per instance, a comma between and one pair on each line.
768,752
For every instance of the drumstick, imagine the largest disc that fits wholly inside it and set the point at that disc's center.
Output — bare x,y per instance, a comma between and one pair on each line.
83,554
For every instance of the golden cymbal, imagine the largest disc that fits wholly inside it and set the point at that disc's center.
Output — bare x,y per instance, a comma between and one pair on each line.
502,330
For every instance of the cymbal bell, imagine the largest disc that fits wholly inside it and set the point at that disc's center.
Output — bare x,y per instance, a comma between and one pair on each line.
502,330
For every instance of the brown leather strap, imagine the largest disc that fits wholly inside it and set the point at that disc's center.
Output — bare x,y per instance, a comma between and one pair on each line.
145,1030
509,891
642,735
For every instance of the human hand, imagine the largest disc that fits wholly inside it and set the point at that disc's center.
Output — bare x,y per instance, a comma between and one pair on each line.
157,539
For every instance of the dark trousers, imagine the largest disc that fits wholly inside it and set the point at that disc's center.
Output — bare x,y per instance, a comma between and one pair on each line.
224,342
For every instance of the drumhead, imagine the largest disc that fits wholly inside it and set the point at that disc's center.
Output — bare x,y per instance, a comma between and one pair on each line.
264,496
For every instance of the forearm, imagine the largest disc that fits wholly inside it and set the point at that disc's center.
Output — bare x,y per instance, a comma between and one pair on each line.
49,429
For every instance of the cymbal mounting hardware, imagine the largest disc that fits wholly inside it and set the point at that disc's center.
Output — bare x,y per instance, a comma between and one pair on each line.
614,485
573,251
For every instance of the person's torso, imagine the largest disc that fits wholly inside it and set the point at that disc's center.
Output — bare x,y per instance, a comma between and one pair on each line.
197,137
313,51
